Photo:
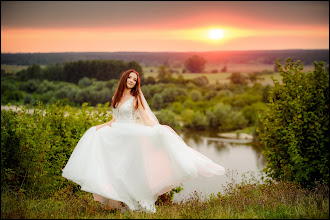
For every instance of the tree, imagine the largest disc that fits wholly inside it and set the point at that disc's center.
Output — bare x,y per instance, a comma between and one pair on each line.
294,127
224,69
163,72
195,64
157,101
237,78
150,80
84,82
253,77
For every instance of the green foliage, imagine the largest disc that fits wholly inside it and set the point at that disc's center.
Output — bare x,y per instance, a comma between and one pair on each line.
294,129
218,115
36,146
195,64
157,102
84,82
238,101
167,117
32,72
177,107
237,78
171,94
73,71
30,86
250,112
163,72
150,80
195,95
200,81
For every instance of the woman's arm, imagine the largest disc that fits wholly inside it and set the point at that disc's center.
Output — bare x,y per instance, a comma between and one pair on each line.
144,115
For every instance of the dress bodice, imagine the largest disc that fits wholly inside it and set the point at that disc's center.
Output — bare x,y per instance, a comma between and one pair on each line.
126,112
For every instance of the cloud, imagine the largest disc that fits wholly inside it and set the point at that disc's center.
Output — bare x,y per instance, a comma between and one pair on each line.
89,14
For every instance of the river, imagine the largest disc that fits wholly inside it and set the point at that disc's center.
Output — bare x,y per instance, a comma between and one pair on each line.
237,158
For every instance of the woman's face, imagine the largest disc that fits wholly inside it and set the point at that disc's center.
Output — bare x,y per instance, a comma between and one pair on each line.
131,80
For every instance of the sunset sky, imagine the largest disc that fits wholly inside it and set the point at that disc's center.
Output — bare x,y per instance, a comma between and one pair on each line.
171,26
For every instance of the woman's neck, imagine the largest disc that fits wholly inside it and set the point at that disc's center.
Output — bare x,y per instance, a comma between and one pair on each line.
127,92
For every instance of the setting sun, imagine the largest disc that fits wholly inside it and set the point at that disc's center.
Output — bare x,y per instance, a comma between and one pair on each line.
215,34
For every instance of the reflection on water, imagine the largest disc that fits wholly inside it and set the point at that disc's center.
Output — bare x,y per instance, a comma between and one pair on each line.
241,157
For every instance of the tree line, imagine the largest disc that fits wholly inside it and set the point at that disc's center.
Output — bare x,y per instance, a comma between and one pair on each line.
73,71
172,58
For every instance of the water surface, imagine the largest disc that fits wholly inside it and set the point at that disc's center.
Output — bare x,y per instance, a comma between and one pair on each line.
241,158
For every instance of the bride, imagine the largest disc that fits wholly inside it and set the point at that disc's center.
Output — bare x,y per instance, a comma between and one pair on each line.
124,163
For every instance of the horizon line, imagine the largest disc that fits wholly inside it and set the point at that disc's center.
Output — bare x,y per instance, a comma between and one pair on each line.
159,51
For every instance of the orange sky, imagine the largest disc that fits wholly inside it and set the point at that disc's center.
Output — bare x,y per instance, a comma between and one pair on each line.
162,26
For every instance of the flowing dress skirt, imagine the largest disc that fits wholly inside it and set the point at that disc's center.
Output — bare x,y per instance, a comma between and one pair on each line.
134,164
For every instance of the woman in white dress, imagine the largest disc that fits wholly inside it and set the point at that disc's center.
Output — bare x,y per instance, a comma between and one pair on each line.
125,162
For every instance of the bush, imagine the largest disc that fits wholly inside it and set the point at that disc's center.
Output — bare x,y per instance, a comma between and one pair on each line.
200,81
235,120
195,95
237,78
157,102
28,99
150,80
35,147
218,115
199,121
167,117
30,86
177,107
250,112
294,130
84,82
46,86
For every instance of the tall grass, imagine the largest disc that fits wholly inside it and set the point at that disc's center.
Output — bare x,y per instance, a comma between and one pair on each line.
249,199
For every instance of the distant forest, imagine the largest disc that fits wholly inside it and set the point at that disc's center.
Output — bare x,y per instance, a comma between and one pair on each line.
170,58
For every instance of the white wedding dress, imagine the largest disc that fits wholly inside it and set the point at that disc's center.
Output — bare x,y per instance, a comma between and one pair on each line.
133,163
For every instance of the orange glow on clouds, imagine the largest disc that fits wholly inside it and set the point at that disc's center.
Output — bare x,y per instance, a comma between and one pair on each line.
141,39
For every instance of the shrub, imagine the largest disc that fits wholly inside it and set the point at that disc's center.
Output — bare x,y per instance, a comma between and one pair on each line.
167,117
35,147
157,102
199,121
218,115
295,127
195,95
30,86
250,112
237,78
84,82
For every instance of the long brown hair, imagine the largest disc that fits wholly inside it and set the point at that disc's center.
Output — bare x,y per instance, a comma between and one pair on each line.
135,91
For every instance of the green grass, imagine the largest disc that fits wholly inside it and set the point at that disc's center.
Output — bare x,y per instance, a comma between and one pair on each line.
15,68
245,69
220,77
12,68
249,199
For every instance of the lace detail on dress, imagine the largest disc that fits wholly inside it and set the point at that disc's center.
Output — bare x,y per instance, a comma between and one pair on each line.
125,112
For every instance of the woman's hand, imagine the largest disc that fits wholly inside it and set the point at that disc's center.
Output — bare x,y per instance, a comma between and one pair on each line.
105,124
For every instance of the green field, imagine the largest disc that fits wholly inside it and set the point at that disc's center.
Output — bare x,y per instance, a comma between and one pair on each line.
212,77
12,68
220,77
